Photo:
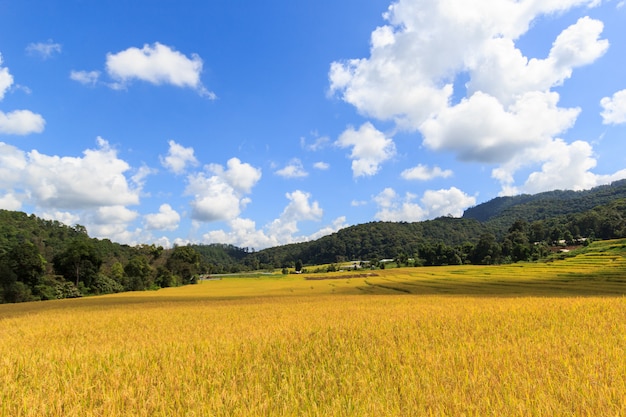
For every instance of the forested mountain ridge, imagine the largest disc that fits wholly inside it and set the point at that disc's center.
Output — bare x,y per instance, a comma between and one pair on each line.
44,259
374,241
544,205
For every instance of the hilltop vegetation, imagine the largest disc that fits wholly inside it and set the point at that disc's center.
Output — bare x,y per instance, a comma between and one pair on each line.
44,259
503,230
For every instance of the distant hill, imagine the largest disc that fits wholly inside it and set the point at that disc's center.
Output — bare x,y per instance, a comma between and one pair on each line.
375,240
549,203
44,259
554,214
498,214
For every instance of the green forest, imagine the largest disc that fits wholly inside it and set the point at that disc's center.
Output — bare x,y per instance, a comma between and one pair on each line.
44,259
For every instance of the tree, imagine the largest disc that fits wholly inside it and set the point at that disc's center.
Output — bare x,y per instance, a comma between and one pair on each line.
298,266
138,271
487,250
184,261
79,261
27,263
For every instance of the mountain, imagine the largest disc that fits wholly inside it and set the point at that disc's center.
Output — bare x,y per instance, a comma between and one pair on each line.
498,214
546,217
45,259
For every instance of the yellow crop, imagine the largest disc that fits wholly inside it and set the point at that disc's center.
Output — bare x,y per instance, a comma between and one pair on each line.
347,346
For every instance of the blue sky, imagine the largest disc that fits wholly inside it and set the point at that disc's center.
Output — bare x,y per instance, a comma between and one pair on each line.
266,123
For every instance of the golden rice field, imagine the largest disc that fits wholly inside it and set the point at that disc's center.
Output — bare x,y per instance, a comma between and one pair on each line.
519,340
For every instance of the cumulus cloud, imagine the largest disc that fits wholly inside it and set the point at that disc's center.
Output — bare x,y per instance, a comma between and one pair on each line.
563,166
502,71
157,64
85,77
91,189
425,173
242,233
507,106
299,208
293,169
221,196
322,166
392,207
94,180
614,108
10,201
16,122
166,219
178,158
239,175
370,148
21,122
282,230
44,50
6,79
480,129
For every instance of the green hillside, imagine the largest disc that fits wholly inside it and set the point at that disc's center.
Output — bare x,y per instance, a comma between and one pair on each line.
44,259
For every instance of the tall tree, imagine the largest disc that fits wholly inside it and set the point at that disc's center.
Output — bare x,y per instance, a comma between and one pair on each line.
79,261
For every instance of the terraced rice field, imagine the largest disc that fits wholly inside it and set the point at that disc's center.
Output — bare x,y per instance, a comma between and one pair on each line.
528,339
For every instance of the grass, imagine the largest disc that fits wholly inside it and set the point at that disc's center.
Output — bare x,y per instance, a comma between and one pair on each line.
525,339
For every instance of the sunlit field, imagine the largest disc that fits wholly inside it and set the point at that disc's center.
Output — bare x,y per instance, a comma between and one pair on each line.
545,339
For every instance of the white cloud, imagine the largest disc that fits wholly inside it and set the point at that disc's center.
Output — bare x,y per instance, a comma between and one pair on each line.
178,158
13,164
44,50
94,180
139,178
509,108
293,170
394,209
502,71
282,230
21,122
614,108
92,189
85,77
17,122
107,215
213,198
481,129
318,144
425,173
157,64
450,202
358,203
563,166
242,233
10,201
438,203
322,166
166,219
336,225
370,148
64,217
221,196
239,175
6,79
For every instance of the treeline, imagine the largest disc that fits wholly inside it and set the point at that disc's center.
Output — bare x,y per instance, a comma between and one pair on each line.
43,260
500,213
448,241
